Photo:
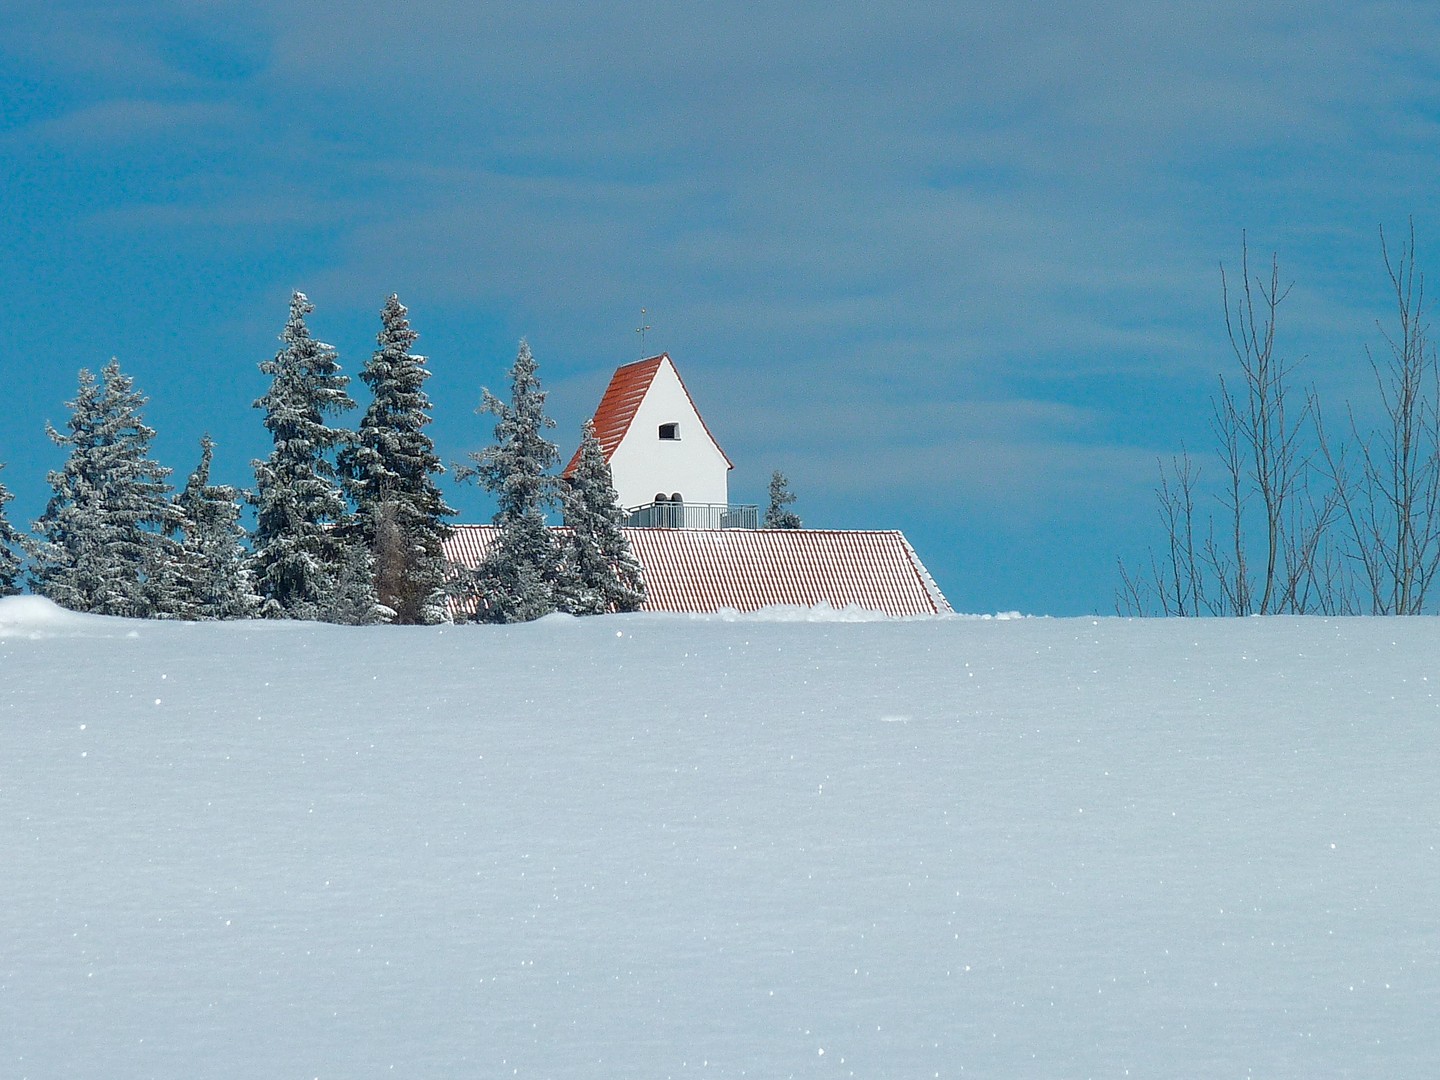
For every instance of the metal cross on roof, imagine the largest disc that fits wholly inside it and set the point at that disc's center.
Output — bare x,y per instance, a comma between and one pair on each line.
644,326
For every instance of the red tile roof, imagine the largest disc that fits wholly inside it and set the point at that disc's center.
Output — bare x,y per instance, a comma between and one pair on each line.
621,400
705,570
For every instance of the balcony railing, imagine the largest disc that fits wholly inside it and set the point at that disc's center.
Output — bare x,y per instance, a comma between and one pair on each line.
683,515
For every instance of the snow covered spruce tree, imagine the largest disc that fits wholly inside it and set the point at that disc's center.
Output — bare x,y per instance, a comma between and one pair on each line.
518,580
779,515
11,546
212,575
99,546
399,511
600,571
303,561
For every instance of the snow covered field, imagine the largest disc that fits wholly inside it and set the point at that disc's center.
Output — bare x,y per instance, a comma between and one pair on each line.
651,846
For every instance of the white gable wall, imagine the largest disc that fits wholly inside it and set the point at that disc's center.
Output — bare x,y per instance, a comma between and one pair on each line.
644,465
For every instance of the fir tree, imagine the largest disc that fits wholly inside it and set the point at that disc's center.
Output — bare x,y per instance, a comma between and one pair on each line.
165,575
299,554
399,511
11,546
353,600
601,574
517,581
778,515
212,575
99,545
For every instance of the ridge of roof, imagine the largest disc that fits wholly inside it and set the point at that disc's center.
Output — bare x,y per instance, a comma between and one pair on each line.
486,526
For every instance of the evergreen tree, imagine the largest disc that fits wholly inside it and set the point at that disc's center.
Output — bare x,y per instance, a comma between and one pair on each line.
354,601
517,581
299,557
99,544
778,515
213,575
601,573
399,511
165,576
11,545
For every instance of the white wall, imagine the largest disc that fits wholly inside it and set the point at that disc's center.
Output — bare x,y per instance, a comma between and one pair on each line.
644,464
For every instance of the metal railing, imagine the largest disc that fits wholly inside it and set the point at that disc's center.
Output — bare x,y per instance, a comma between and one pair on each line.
683,515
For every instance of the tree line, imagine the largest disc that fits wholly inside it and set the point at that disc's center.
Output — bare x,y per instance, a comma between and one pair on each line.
349,525
1307,514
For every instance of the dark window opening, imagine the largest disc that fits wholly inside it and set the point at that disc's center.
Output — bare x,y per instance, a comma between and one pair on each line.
670,432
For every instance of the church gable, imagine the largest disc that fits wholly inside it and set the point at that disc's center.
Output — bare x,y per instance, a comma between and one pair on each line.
655,440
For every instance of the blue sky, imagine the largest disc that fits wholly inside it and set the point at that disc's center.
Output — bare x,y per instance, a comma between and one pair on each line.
954,270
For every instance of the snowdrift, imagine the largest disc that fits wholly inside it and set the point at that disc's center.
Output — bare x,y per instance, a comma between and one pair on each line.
658,846
36,617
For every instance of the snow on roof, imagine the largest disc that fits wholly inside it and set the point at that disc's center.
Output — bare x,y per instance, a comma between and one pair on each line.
707,570
622,399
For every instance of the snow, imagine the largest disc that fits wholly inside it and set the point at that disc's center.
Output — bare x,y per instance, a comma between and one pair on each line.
36,617
653,846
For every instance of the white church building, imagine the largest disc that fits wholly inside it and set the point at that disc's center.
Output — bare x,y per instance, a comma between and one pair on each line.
659,450
701,553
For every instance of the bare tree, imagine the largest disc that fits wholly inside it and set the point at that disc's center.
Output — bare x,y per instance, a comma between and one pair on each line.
1390,505
1174,583
393,557
1185,592
1275,520
1268,550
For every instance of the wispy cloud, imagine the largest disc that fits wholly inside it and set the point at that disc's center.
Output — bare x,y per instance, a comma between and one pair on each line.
135,48
117,122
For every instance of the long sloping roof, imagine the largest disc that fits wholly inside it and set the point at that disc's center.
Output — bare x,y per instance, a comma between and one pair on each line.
706,570
621,400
